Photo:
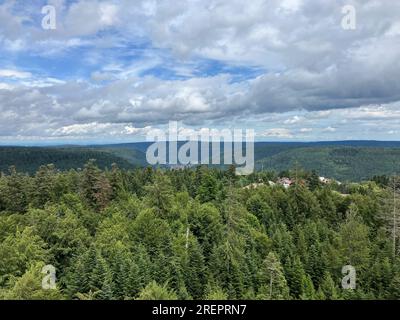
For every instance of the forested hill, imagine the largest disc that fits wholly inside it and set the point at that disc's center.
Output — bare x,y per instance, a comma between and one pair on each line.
29,159
342,160
195,234
342,163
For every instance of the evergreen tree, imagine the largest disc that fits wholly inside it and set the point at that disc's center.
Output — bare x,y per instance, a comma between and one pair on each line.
95,186
29,287
329,288
160,194
153,291
44,185
295,275
15,192
275,285
307,289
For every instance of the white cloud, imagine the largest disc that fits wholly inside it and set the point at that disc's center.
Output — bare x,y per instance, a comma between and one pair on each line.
293,120
329,129
277,133
291,5
88,17
108,14
307,65
5,86
95,129
7,73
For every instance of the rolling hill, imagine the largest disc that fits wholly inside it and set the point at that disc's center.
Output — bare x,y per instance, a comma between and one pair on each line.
29,159
342,163
342,160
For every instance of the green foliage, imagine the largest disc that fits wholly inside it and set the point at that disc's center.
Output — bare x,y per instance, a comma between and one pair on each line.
29,287
274,284
29,160
328,288
216,294
193,234
153,291
19,251
345,163
307,289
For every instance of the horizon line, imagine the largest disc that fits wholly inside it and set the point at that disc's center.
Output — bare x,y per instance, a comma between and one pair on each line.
91,144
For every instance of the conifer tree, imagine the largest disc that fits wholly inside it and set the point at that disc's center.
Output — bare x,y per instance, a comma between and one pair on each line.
153,291
329,288
307,288
275,285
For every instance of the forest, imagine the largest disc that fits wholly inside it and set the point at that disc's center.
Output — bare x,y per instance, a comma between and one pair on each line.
352,161
195,233
29,159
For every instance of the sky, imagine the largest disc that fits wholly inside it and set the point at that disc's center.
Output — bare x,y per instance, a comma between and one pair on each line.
111,71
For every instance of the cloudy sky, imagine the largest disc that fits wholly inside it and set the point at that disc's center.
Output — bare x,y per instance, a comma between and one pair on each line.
113,70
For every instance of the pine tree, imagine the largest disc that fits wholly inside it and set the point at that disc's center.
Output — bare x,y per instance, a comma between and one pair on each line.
260,208
313,181
95,186
15,192
205,223
44,185
153,291
125,272
215,293
208,188
329,288
328,207
307,288
314,265
194,270
302,203
99,272
295,275
275,285
107,288
90,176
160,194
144,266
116,181
354,241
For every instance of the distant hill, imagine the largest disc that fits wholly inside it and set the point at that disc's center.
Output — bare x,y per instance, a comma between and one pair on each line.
29,159
133,153
339,162
342,160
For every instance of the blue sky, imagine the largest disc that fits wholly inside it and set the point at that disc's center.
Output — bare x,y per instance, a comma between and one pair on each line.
113,70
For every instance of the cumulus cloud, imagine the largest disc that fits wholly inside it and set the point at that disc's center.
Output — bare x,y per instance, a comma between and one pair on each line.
94,128
293,120
329,129
6,73
277,133
144,63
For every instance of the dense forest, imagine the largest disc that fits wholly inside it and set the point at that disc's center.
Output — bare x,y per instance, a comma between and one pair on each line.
29,159
195,233
344,161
